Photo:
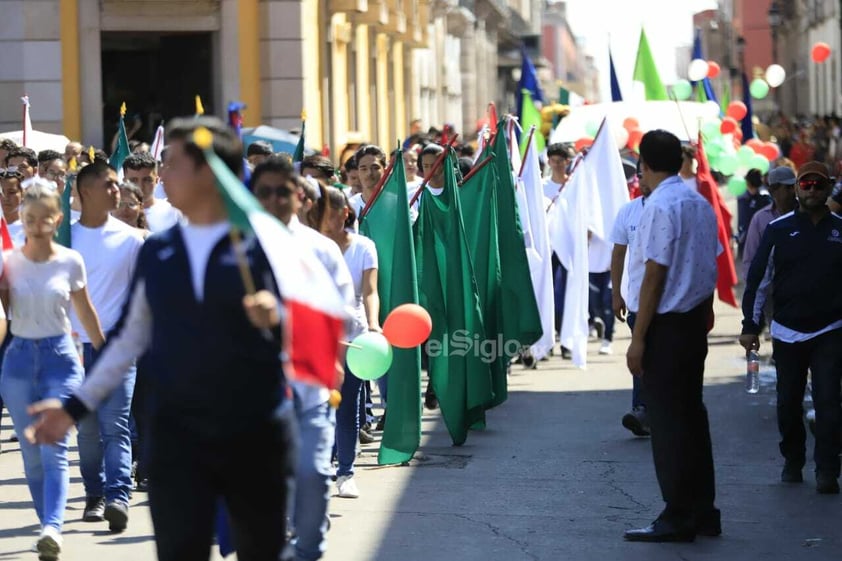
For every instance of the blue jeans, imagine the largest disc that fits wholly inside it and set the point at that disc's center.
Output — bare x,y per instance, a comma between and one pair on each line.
637,382
316,428
36,369
600,301
559,291
105,447
348,423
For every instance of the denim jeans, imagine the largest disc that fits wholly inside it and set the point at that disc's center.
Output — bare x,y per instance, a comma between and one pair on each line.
559,291
599,304
105,447
348,423
316,428
637,382
36,369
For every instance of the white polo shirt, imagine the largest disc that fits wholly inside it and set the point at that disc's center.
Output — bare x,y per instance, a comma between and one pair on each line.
624,233
677,230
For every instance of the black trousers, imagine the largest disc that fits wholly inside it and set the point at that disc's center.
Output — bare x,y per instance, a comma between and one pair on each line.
673,376
251,473
822,355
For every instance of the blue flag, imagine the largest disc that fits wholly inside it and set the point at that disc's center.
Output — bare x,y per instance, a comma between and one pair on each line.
616,94
528,81
697,53
747,125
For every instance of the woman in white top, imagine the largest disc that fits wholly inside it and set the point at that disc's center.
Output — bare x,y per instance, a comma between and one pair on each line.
42,279
361,256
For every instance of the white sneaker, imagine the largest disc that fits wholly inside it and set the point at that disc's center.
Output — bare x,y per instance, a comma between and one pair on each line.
49,544
605,349
346,487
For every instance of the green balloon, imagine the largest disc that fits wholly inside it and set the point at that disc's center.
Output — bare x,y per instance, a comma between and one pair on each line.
710,130
759,162
713,149
728,164
759,88
591,128
737,186
369,356
682,90
745,155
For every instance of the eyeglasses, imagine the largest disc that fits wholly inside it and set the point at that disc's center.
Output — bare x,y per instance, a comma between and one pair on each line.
809,184
11,171
265,191
55,174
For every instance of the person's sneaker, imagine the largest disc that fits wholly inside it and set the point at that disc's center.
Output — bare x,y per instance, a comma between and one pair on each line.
142,485
636,422
599,327
346,487
381,423
94,509
791,473
49,544
365,437
605,349
528,360
14,437
117,514
827,484
566,354
431,402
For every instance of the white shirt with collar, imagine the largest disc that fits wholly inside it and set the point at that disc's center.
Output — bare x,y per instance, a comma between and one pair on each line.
678,230
624,233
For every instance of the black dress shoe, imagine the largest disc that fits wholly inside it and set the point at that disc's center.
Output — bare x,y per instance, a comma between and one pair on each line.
791,473
709,523
827,483
662,530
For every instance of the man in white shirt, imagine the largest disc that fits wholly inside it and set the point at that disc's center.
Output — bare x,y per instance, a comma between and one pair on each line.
677,243
559,157
109,248
274,185
142,170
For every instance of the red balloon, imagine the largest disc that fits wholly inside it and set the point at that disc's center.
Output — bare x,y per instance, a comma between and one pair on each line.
713,69
583,143
755,144
635,136
729,125
407,326
770,151
820,52
737,110
630,124
738,134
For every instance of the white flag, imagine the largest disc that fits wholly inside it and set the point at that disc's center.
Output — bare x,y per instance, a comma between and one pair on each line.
27,139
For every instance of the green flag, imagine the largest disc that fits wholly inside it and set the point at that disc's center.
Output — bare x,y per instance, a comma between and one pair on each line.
387,223
122,151
298,156
726,97
63,232
646,72
521,319
448,291
530,115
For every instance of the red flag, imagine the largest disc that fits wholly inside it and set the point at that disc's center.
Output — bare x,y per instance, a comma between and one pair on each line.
727,272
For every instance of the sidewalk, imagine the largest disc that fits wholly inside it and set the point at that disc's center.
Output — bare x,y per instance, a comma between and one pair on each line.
553,477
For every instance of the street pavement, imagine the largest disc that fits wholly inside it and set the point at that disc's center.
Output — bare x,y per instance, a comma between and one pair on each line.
554,476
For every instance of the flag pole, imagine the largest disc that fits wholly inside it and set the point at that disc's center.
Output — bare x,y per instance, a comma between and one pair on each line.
576,166
379,187
438,163
681,116
242,262
475,169
528,145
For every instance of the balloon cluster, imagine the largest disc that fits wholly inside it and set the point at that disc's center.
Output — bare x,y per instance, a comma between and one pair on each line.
369,355
627,136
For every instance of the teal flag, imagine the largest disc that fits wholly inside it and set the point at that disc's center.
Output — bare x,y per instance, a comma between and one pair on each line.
387,223
298,155
448,291
122,151
63,232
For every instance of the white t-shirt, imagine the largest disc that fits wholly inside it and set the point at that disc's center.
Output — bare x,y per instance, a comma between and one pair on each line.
161,216
199,240
39,293
16,233
624,232
357,204
551,188
110,254
360,256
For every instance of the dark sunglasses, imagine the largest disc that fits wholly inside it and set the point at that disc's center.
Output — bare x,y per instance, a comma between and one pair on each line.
809,184
11,171
264,191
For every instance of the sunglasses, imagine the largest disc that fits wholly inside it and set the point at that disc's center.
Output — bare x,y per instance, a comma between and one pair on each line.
264,192
810,184
11,171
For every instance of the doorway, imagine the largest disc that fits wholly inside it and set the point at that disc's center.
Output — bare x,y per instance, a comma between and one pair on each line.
157,75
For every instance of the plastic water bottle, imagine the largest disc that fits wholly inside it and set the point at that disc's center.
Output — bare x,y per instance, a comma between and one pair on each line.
752,372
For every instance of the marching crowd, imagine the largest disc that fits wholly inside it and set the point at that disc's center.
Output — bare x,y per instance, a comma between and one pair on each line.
138,333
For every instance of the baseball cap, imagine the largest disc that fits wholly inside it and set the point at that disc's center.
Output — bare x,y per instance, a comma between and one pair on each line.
781,176
813,168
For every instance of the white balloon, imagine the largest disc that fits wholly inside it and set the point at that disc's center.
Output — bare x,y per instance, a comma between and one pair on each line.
621,136
775,75
697,70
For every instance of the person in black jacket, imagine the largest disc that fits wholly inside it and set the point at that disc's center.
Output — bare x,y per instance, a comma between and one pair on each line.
801,254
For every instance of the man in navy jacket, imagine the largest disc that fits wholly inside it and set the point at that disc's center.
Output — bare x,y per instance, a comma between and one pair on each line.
219,409
801,255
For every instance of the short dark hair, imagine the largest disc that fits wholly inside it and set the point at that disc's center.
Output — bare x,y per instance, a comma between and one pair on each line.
21,151
754,177
371,150
7,144
272,164
140,160
259,148
48,156
350,164
465,164
91,172
319,163
561,149
431,149
226,143
661,151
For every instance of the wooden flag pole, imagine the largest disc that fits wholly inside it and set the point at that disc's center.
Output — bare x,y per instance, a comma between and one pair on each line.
528,145
476,168
436,165
579,161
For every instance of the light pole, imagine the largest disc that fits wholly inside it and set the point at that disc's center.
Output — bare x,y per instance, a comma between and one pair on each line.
775,24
